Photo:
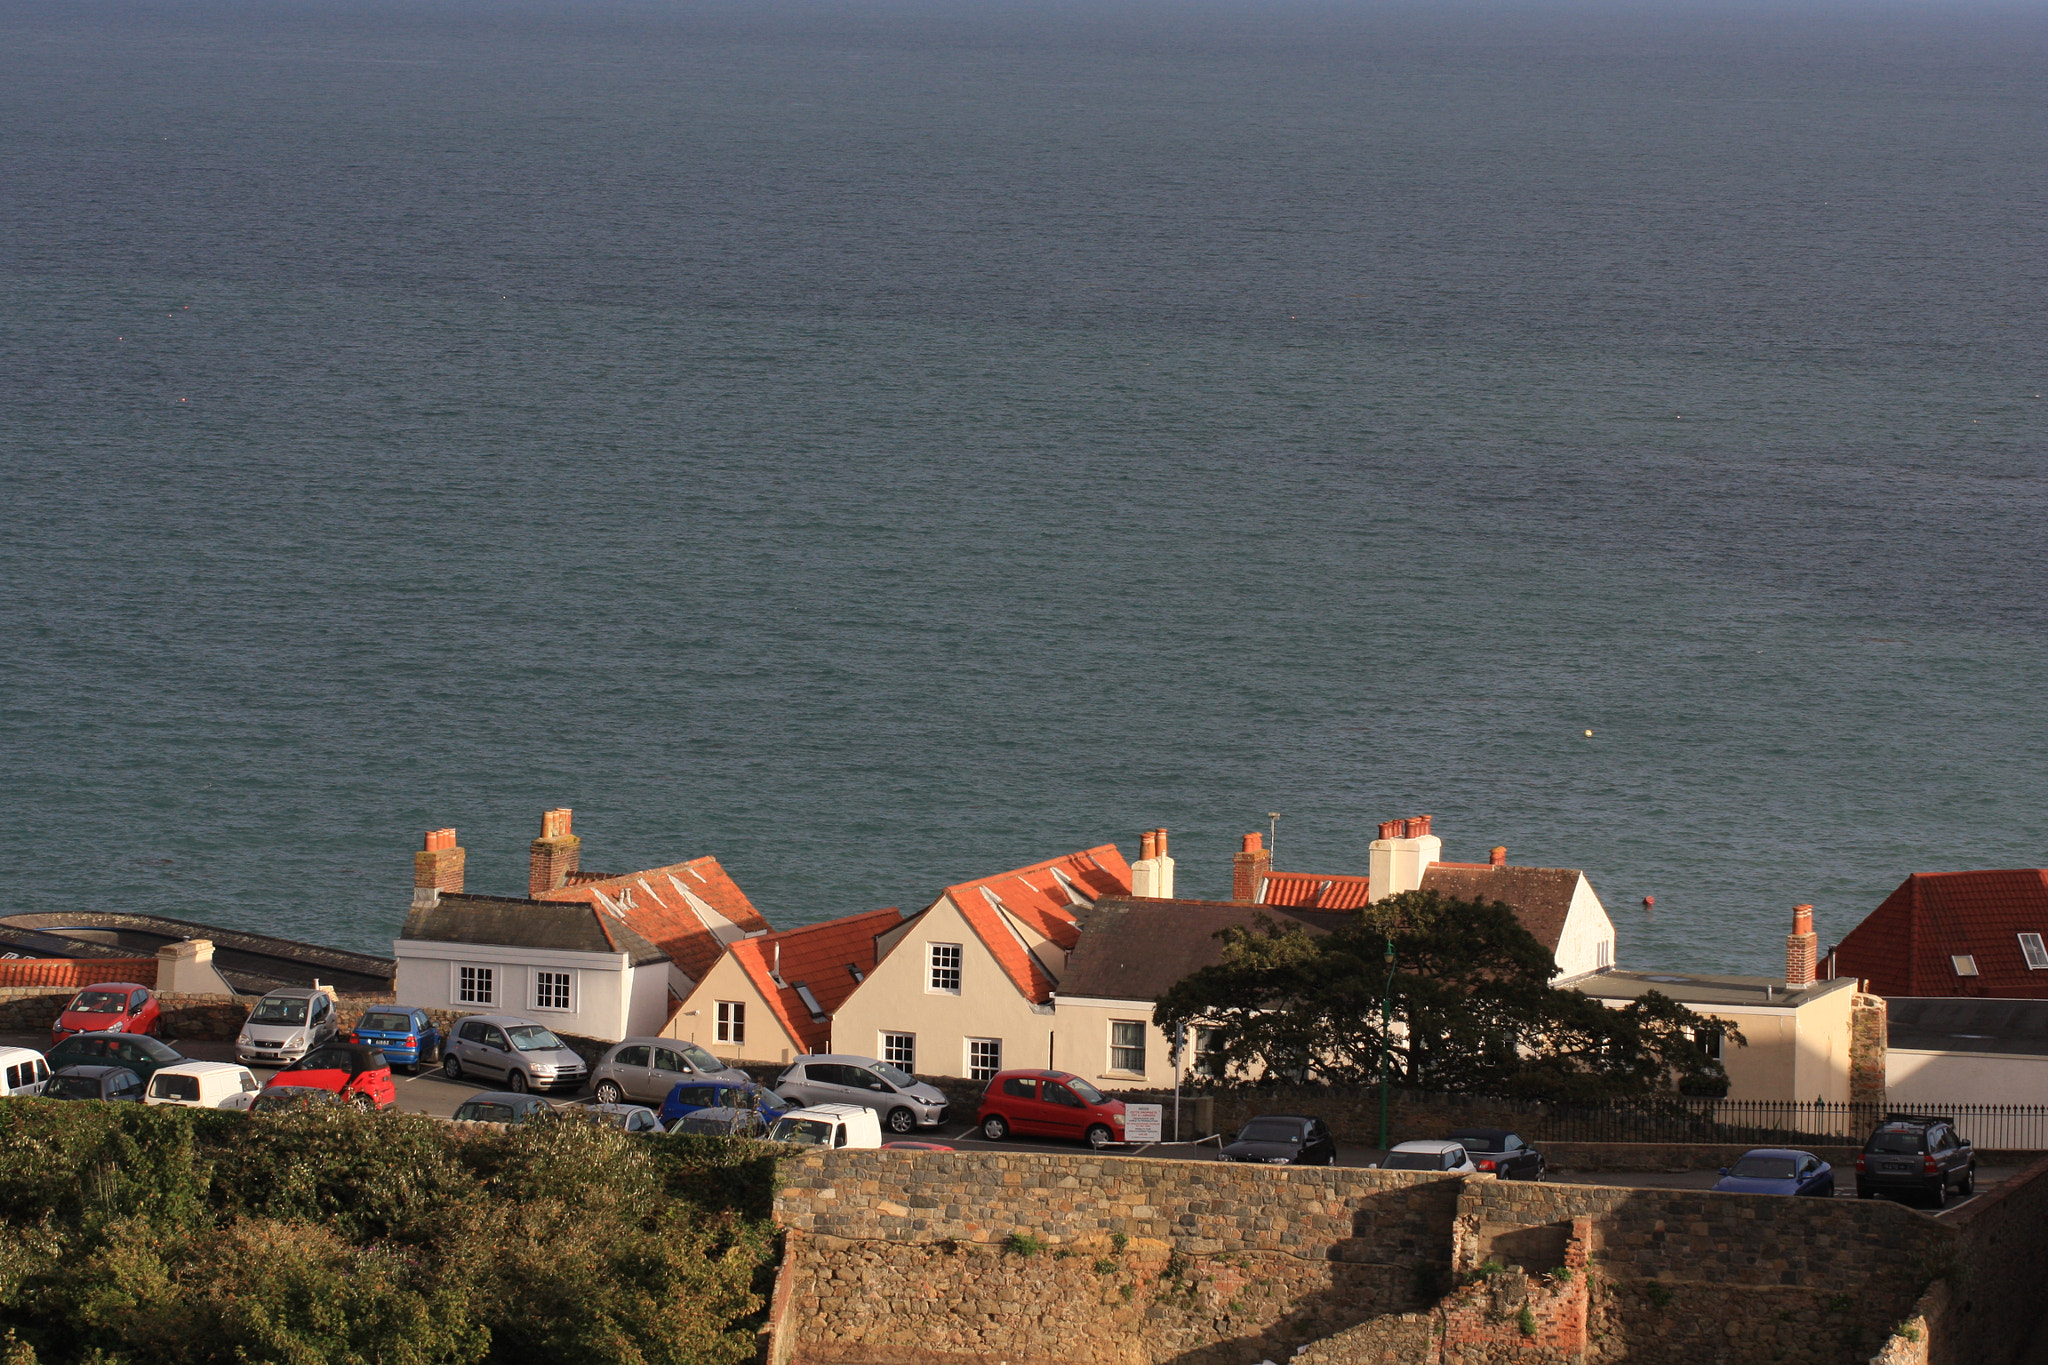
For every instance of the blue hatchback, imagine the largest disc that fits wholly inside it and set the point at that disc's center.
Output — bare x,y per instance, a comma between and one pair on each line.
693,1095
1778,1170
407,1037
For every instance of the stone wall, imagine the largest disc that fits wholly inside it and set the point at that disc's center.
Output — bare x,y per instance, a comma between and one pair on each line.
1992,1273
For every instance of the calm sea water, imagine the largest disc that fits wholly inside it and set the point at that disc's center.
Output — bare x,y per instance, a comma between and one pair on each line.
885,443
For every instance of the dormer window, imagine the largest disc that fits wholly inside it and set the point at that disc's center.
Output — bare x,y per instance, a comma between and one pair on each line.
2037,956
1965,964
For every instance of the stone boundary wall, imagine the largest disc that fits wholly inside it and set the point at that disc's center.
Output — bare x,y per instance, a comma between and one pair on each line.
1993,1277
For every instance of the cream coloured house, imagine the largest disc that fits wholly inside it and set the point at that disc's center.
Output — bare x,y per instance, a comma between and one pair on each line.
772,997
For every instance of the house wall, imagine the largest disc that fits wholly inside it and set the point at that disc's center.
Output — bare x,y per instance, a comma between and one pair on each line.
1586,927
894,998
600,993
767,1040
1914,1077
1800,1054
1082,1025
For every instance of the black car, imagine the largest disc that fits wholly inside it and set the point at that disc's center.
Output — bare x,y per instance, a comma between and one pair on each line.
1502,1152
1284,1140
138,1052
1920,1154
94,1083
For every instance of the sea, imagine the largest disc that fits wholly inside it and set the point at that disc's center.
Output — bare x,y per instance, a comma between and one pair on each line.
885,443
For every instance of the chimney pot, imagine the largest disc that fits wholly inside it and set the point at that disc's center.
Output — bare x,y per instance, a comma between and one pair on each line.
1254,842
1416,827
1148,845
1162,841
1802,919
1499,856
552,858
1391,829
438,839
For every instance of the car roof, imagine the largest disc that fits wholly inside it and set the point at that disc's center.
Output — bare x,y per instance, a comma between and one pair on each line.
831,1111
198,1068
849,1057
502,1019
1291,1118
292,993
1427,1145
94,1070
8,1054
115,986
1484,1132
505,1097
1776,1151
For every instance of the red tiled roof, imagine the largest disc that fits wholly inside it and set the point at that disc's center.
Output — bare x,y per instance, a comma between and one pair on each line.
69,973
816,956
1307,891
656,905
1034,895
1905,946
1541,897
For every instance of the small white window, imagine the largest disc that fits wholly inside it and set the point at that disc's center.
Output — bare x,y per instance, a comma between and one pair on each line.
1965,964
475,986
1127,1045
984,1058
900,1049
551,990
732,1021
945,968
2037,956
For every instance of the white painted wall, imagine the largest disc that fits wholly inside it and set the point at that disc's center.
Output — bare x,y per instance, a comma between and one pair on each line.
1586,927
1396,865
1914,1078
606,997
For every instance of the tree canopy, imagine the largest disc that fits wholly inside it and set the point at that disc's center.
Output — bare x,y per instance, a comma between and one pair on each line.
1473,1009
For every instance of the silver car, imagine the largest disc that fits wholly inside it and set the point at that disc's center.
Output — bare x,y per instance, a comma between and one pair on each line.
287,1024
901,1100
646,1069
525,1054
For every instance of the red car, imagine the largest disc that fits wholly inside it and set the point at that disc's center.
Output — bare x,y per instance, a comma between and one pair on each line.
109,1007
359,1075
1049,1104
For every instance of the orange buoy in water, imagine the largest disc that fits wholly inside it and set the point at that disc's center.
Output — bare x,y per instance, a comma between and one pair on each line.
1649,902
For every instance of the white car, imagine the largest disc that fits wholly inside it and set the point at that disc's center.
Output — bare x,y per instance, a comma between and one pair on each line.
23,1071
829,1125
285,1025
202,1085
1434,1155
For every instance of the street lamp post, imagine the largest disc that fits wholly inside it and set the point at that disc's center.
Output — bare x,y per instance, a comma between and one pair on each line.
1386,1040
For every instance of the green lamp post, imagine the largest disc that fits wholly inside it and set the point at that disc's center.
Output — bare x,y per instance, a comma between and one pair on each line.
1386,1039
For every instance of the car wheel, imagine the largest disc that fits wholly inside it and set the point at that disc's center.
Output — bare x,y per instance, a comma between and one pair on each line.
901,1120
1969,1185
608,1092
451,1066
1098,1137
994,1129
366,1103
515,1081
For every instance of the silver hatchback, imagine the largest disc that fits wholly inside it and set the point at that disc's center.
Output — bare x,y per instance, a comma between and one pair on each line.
646,1069
287,1024
901,1100
524,1054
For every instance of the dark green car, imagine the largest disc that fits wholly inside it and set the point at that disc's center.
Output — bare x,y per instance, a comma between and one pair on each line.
140,1054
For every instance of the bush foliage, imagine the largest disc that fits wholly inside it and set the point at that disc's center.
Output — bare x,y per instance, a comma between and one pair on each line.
144,1234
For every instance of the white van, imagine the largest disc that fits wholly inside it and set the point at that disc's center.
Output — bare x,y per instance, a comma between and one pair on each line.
24,1071
202,1085
829,1125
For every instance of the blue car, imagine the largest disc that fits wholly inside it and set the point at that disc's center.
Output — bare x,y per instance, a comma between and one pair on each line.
1778,1170
690,1096
406,1037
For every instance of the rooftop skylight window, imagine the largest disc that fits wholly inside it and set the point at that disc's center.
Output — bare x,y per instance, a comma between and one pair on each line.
803,993
1965,964
1075,895
2037,956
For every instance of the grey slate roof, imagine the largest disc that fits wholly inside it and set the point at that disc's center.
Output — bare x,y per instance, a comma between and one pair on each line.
1135,948
1959,1024
514,922
1701,988
1541,897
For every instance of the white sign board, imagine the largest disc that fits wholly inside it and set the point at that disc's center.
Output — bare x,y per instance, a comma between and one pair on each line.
1144,1122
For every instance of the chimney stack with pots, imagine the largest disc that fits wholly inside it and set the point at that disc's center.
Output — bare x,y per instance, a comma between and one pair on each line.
552,858
1249,869
1499,856
437,868
1401,854
1152,874
1802,949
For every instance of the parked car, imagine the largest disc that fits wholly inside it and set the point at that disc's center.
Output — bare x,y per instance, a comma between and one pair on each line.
1430,1154
93,1083
287,1024
524,1053
359,1075
1919,1154
1502,1152
501,1106
1283,1140
109,1007
202,1085
1778,1170
721,1122
647,1069
407,1037
828,1125
691,1095
903,1102
1048,1104
627,1118
282,1099
139,1054
23,1071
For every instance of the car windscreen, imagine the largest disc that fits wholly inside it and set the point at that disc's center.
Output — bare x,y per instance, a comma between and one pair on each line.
476,1111
711,1127
1908,1140
532,1038
1271,1130
894,1075
814,1132
100,1002
1481,1142
699,1058
1763,1168
273,1010
385,1023
74,1087
1088,1093
1415,1161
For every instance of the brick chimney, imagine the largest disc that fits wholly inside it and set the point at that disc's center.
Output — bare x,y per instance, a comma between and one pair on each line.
1499,856
1249,868
437,868
553,856
1401,854
1802,949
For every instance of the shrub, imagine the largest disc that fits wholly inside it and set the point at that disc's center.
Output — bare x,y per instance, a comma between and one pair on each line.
1526,1321
1022,1244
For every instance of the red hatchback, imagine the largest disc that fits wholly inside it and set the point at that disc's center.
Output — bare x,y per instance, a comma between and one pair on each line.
1049,1104
359,1075
109,1007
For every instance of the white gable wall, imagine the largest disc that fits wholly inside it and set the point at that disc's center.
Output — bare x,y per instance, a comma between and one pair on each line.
1586,930
609,998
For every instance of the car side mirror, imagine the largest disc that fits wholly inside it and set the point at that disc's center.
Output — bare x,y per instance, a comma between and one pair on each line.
1724,1170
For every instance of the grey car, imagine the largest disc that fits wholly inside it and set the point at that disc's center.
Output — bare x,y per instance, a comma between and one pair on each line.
287,1024
901,1100
522,1053
646,1069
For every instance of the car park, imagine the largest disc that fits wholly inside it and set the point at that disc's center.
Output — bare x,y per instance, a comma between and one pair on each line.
692,1095
525,1055
647,1069
109,1007
501,1106
1282,1140
140,1054
903,1102
717,1122
287,1024
408,1038
1501,1152
23,1071
285,1099
202,1085
1916,1154
1430,1154
1778,1170
1048,1104
828,1125
94,1083
359,1075
627,1118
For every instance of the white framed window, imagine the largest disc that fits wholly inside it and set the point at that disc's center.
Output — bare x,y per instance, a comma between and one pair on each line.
900,1049
1206,1062
1127,1045
944,974
984,1058
2037,956
551,990
1708,1041
476,986
731,1022
1965,964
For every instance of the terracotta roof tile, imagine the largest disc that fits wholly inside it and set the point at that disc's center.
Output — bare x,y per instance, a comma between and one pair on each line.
69,973
1307,891
816,956
1906,945
1036,896
668,907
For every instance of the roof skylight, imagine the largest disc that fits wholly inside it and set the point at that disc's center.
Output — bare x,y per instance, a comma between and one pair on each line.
1965,964
2037,956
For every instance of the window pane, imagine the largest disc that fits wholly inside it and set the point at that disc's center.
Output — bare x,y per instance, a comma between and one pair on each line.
984,1057
900,1050
945,967
1126,1046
